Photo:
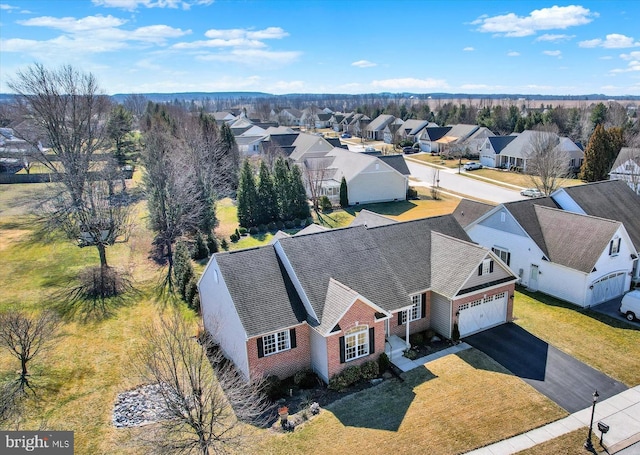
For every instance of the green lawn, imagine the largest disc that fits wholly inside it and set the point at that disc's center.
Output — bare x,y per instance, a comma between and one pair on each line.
606,344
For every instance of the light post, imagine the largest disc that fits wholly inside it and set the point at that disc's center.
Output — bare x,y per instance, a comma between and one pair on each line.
588,444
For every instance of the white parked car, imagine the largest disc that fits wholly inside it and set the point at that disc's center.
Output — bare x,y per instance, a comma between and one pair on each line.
531,192
472,166
630,305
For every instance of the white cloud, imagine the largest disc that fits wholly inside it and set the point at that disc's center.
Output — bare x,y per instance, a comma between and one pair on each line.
132,5
364,64
552,37
73,25
611,41
556,17
468,49
409,83
236,38
253,57
7,7
553,53
513,54
634,63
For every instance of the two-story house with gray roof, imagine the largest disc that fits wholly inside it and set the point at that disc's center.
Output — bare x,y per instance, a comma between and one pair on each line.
331,299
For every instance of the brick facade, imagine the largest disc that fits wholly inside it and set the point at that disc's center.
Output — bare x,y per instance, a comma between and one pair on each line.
282,364
359,314
414,326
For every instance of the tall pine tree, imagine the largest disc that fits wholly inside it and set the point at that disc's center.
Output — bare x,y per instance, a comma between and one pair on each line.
281,183
344,194
602,150
299,201
267,206
247,196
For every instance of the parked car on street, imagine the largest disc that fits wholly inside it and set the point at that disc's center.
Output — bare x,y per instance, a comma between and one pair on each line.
472,166
630,305
345,135
409,150
531,192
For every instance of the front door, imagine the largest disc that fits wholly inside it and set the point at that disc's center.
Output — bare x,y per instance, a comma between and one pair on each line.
533,277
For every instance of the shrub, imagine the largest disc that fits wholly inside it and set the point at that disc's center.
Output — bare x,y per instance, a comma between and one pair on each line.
305,379
272,226
412,193
242,230
238,233
345,378
455,336
224,244
273,387
280,224
262,228
234,237
370,369
191,291
195,303
416,339
212,243
325,204
201,250
428,334
410,354
308,221
288,224
297,222
383,362
253,230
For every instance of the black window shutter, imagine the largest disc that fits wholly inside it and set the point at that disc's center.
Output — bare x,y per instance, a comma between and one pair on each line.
424,305
491,266
480,270
619,240
260,348
508,258
341,349
292,338
610,248
372,340
400,317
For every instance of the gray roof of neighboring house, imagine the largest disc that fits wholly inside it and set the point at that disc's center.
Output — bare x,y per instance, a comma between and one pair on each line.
336,142
407,247
324,117
380,122
469,211
309,145
413,126
500,142
462,131
262,292
350,256
561,231
370,219
397,162
612,200
522,145
311,229
436,132
525,214
626,154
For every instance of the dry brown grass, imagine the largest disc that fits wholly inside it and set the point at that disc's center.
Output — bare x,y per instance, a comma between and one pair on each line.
567,444
457,403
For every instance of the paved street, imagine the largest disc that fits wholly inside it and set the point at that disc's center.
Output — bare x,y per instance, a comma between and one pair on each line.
474,189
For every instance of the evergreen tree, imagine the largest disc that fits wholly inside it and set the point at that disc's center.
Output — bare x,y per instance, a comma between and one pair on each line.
344,195
119,125
281,183
602,149
231,152
598,114
299,201
182,267
247,196
201,250
267,206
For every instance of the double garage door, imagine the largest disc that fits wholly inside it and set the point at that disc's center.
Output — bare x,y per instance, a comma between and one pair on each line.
483,313
608,287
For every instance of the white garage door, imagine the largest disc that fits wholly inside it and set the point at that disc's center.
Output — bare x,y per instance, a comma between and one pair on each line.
483,313
607,288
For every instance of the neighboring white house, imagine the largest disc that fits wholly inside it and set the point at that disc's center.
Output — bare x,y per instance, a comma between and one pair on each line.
627,168
514,151
578,258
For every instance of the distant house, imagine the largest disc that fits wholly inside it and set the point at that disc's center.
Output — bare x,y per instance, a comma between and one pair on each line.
379,129
289,117
429,136
627,168
328,300
409,130
515,150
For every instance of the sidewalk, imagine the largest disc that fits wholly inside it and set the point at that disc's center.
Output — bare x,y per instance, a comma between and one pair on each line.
621,412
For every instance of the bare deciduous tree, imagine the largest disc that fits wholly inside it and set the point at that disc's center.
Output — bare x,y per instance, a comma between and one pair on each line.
207,402
435,183
547,164
25,336
315,172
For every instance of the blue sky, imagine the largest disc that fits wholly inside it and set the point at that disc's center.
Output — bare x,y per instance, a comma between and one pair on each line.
347,46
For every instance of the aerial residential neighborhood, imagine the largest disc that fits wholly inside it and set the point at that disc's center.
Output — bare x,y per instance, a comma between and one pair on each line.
290,227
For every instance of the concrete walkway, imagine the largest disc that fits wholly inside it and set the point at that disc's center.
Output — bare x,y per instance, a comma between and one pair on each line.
621,412
406,364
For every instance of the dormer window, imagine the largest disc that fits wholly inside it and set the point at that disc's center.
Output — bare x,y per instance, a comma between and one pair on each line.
486,267
614,246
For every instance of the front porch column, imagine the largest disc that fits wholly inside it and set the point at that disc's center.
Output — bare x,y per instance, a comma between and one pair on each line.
407,332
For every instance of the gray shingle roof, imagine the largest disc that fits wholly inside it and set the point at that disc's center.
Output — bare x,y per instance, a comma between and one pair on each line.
370,219
525,215
261,290
397,162
436,132
339,299
610,199
562,230
469,211
500,142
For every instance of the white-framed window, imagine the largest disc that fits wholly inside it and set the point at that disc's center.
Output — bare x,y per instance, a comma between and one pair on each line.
356,343
415,312
276,342
486,267
503,254
614,246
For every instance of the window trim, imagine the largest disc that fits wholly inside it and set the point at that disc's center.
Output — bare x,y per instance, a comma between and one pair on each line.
499,251
358,350
415,310
276,343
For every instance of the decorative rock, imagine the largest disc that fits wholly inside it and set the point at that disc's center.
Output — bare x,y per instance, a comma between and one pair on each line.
140,406
435,338
387,375
376,381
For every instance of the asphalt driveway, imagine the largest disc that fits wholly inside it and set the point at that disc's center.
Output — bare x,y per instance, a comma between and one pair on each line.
562,378
611,307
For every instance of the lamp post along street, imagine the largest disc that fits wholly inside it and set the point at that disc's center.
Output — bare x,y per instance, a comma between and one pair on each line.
588,444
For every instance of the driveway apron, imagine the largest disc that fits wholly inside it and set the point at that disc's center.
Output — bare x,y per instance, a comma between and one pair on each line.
562,378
